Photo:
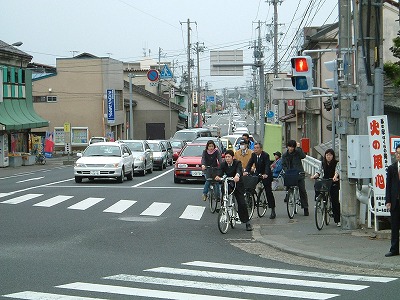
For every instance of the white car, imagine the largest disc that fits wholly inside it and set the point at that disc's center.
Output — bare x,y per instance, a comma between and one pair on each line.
104,160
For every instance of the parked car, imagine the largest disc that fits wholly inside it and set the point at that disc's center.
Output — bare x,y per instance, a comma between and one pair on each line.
170,151
188,164
177,146
142,155
159,154
104,160
188,135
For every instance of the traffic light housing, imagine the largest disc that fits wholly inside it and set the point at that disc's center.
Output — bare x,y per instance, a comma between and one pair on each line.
302,79
332,83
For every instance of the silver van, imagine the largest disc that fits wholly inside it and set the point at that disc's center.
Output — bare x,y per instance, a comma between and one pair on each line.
190,134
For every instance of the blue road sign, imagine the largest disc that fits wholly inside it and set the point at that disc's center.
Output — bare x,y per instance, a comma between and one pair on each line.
152,75
270,114
210,99
166,73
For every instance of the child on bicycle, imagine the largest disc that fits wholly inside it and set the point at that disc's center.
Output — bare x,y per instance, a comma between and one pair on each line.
330,170
210,160
233,168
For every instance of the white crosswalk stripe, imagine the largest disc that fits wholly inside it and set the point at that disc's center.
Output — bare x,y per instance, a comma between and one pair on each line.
85,204
53,201
193,212
120,206
20,199
155,209
236,285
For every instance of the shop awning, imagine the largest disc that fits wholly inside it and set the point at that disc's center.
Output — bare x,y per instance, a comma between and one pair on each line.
16,114
182,116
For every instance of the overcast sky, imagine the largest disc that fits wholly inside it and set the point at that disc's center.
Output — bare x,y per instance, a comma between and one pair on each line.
126,29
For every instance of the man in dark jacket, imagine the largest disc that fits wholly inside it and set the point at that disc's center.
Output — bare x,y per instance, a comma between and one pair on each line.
392,202
233,168
262,164
291,159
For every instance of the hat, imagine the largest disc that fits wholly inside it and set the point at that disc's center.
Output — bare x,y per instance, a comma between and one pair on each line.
278,153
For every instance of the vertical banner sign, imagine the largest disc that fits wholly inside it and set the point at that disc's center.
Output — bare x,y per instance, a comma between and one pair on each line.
111,106
379,144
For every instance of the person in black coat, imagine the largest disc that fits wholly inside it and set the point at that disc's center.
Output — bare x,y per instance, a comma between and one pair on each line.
392,202
233,168
262,164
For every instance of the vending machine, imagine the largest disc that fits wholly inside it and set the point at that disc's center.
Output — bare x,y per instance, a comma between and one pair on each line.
4,150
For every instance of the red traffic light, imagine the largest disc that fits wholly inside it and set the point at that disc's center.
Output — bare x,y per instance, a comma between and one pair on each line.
301,64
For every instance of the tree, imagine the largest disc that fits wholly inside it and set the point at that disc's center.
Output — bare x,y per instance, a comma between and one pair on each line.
392,69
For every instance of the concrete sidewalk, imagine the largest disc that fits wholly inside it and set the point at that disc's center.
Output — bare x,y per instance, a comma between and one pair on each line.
362,247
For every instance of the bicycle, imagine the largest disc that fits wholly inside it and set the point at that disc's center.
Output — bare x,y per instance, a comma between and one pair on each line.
293,204
227,214
40,158
323,203
213,190
255,195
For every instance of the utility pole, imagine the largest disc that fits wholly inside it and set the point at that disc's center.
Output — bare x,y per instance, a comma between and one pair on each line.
159,70
189,88
346,125
260,64
198,50
130,75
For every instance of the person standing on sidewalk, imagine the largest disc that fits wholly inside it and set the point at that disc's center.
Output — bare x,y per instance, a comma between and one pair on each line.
276,166
392,202
330,170
262,163
291,159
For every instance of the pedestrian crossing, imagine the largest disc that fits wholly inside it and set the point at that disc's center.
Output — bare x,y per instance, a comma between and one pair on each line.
212,280
155,209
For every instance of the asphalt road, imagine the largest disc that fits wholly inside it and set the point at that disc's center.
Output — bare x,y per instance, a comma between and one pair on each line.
146,238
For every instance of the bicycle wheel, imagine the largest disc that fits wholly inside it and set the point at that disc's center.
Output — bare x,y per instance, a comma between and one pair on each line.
248,196
291,203
297,201
223,219
262,205
320,212
328,210
212,200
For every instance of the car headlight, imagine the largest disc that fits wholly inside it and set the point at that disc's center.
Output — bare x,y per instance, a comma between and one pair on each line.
80,165
182,165
139,158
113,165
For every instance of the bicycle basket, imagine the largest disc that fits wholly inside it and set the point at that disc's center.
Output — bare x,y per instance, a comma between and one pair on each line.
323,185
250,182
291,178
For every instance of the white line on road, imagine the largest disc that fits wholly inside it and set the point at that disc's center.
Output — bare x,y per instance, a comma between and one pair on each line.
53,201
155,209
28,295
31,179
151,179
120,206
193,212
265,279
85,204
223,287
21,199
289,272
123,290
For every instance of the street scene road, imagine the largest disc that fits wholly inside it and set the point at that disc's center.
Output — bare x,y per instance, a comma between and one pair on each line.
151,238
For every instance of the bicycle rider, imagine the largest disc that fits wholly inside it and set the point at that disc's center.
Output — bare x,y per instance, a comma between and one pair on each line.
330,169
291,159
210,160
233,168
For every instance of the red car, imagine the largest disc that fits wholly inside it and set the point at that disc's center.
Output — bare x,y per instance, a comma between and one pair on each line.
188,164
177,146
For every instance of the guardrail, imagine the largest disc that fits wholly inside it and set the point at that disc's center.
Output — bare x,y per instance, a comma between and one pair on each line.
311,164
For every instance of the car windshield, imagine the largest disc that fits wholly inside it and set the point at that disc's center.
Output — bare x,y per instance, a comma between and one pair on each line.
155,147
185,136
176,144
193,150
96,140
135,146
102,150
